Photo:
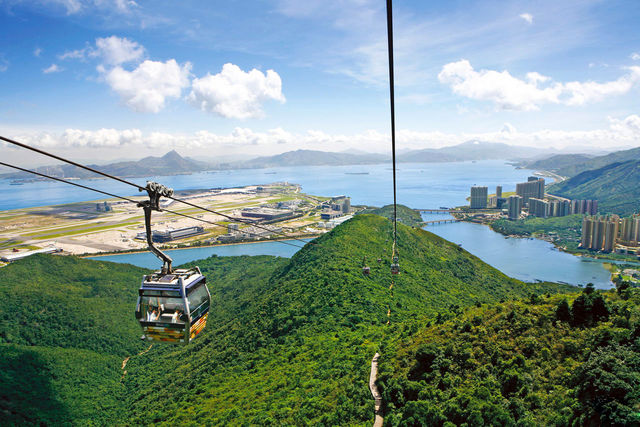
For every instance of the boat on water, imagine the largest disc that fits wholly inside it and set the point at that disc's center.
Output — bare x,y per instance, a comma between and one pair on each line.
270,173
16,183
356,173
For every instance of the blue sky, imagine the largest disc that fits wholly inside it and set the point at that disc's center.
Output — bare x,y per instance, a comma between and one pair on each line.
109,79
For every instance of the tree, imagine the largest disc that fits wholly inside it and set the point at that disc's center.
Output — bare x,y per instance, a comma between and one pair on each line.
563,312
608,386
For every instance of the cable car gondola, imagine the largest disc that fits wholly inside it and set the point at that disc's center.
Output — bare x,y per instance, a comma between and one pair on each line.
365,268
395,266
173,305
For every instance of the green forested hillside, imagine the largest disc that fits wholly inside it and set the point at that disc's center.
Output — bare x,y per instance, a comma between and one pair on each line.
300,352
65,327
287,342
573,164
546,361
615,186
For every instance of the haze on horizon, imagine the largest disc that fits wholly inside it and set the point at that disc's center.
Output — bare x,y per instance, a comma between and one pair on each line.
115,79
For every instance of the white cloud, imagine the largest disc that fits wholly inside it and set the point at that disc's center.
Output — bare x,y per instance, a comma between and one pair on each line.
111,50
146,88
84,6
75,54
234,93
37,51
635,56
72,6
527,17
53,68
511,93
4,64
116,50
122,6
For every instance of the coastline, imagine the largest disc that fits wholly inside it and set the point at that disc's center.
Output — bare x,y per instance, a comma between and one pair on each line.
137,251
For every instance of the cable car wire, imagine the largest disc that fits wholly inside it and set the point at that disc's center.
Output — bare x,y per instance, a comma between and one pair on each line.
140,188
128,199
393,115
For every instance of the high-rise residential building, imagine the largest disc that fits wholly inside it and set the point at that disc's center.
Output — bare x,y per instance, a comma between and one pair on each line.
499,191
599,233
479,197
610,235
534,187
597,238
587,232
538,207
589,207
630,231
515,207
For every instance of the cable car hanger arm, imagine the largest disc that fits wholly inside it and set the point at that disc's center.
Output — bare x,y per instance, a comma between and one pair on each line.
155,191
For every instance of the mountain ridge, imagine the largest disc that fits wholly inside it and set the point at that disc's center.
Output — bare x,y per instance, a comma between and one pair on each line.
615,186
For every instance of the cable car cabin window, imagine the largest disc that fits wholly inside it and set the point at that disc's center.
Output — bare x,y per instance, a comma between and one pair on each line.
198,299
162,309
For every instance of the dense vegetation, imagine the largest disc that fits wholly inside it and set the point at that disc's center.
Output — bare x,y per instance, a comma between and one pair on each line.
406,215
287,342
538,362
65,326
566,229
615,186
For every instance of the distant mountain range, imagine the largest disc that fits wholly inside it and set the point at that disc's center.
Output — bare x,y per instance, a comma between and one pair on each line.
472,150
173,163
169,164
309,158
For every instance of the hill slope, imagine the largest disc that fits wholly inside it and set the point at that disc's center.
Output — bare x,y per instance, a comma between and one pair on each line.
521,363
574,164
300,351
615,186
287,342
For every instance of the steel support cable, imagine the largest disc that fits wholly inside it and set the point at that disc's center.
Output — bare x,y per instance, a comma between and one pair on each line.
124,181
393,119
127,199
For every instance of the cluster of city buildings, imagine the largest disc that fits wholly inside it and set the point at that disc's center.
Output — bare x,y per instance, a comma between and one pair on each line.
530,195
163,236
103,207
611,233
235,234
335,207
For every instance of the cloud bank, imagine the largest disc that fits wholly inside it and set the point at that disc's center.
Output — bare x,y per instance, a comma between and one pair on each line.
620,133
511,93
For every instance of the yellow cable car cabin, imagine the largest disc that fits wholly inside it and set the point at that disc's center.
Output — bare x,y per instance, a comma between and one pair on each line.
173,307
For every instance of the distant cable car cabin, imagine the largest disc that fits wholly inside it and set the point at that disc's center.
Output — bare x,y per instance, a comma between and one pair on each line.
395,266
365,268
173,305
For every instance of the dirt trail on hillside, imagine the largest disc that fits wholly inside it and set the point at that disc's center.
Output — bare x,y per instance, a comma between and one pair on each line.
374,391
126,360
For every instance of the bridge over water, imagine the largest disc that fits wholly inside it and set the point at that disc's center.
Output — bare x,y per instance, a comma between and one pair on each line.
441,221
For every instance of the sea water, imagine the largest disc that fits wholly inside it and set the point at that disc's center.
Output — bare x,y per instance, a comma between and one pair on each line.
420,185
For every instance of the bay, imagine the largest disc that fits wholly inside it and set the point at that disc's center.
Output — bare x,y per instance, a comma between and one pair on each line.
420,185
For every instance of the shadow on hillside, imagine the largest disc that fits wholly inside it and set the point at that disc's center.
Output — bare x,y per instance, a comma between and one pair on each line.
26,394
